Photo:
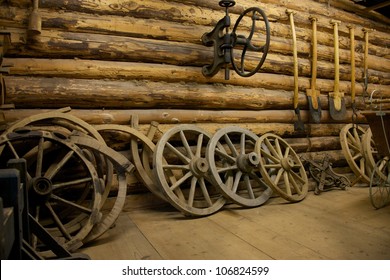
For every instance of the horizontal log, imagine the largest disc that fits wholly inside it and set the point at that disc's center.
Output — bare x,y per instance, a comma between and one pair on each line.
37,92
196,14
94,69
171,116
165,30
106,47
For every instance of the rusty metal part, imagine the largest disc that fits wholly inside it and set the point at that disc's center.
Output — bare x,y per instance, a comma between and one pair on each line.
337,109
325,176
313,95
281,167
224,42
182,171
352,148
65,203
234,166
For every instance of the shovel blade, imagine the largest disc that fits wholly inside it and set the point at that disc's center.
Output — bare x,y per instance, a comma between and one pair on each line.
299,126
315,114
337,115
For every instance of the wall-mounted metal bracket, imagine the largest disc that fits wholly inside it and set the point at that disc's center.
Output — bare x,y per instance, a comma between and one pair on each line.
225,42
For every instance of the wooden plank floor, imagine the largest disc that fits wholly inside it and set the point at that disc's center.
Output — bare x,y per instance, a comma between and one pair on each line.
333,225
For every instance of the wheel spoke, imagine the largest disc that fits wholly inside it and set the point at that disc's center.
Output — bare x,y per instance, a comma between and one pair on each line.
249,186
227,168
294,183
237,179
192,191
225,155
231,145
57,186
58,222
271,148
278,148
199,145
297,177
180,181
242,144
205,192
54,168
178,153
287,184
175,167
278,176
11,147
270,157
38,170
72,204
185,144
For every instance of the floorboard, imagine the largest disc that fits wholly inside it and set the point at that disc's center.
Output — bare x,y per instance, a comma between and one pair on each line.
333,225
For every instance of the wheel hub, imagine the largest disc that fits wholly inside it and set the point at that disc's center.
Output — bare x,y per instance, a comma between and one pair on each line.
42,186
247,162
199,166
287,163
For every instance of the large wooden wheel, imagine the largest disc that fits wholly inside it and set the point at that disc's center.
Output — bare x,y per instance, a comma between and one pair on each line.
233,164
281,168
380,183
181,170
352,146
66,203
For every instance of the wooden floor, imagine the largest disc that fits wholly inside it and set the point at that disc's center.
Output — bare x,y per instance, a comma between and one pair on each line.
333,225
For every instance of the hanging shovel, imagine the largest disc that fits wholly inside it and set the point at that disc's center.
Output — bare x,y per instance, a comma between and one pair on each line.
337,108
313,95
353,71
298,125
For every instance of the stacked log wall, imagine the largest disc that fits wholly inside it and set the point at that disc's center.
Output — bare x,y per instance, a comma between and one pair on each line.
110,59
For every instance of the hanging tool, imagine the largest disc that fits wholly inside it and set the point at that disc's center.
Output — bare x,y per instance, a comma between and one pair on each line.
337,108
365,61
298,125
313,95
35,21
353,72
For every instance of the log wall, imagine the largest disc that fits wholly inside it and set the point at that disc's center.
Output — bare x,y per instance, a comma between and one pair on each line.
110,59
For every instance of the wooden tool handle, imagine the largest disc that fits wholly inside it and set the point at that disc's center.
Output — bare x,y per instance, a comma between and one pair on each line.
353,71
335,24
314,54
295,55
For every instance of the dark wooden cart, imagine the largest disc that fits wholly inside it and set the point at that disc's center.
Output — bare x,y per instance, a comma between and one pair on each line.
379,122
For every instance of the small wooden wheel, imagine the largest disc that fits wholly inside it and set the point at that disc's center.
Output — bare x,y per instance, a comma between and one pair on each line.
352,147
234,166
281,168
181,170
66,203
380,183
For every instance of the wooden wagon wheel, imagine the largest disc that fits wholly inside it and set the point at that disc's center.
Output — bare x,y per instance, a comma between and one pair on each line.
137,139
281,168
61,118
233,164
352,147
370,152
64,202
181,170
380,183
121,168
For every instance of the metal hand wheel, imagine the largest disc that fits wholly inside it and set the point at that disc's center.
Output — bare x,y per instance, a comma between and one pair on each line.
233,164
251,43
181,170
63,186
352,147
281,167
380,183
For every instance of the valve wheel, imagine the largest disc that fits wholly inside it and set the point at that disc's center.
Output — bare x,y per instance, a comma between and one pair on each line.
281,168
234,166
249,42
